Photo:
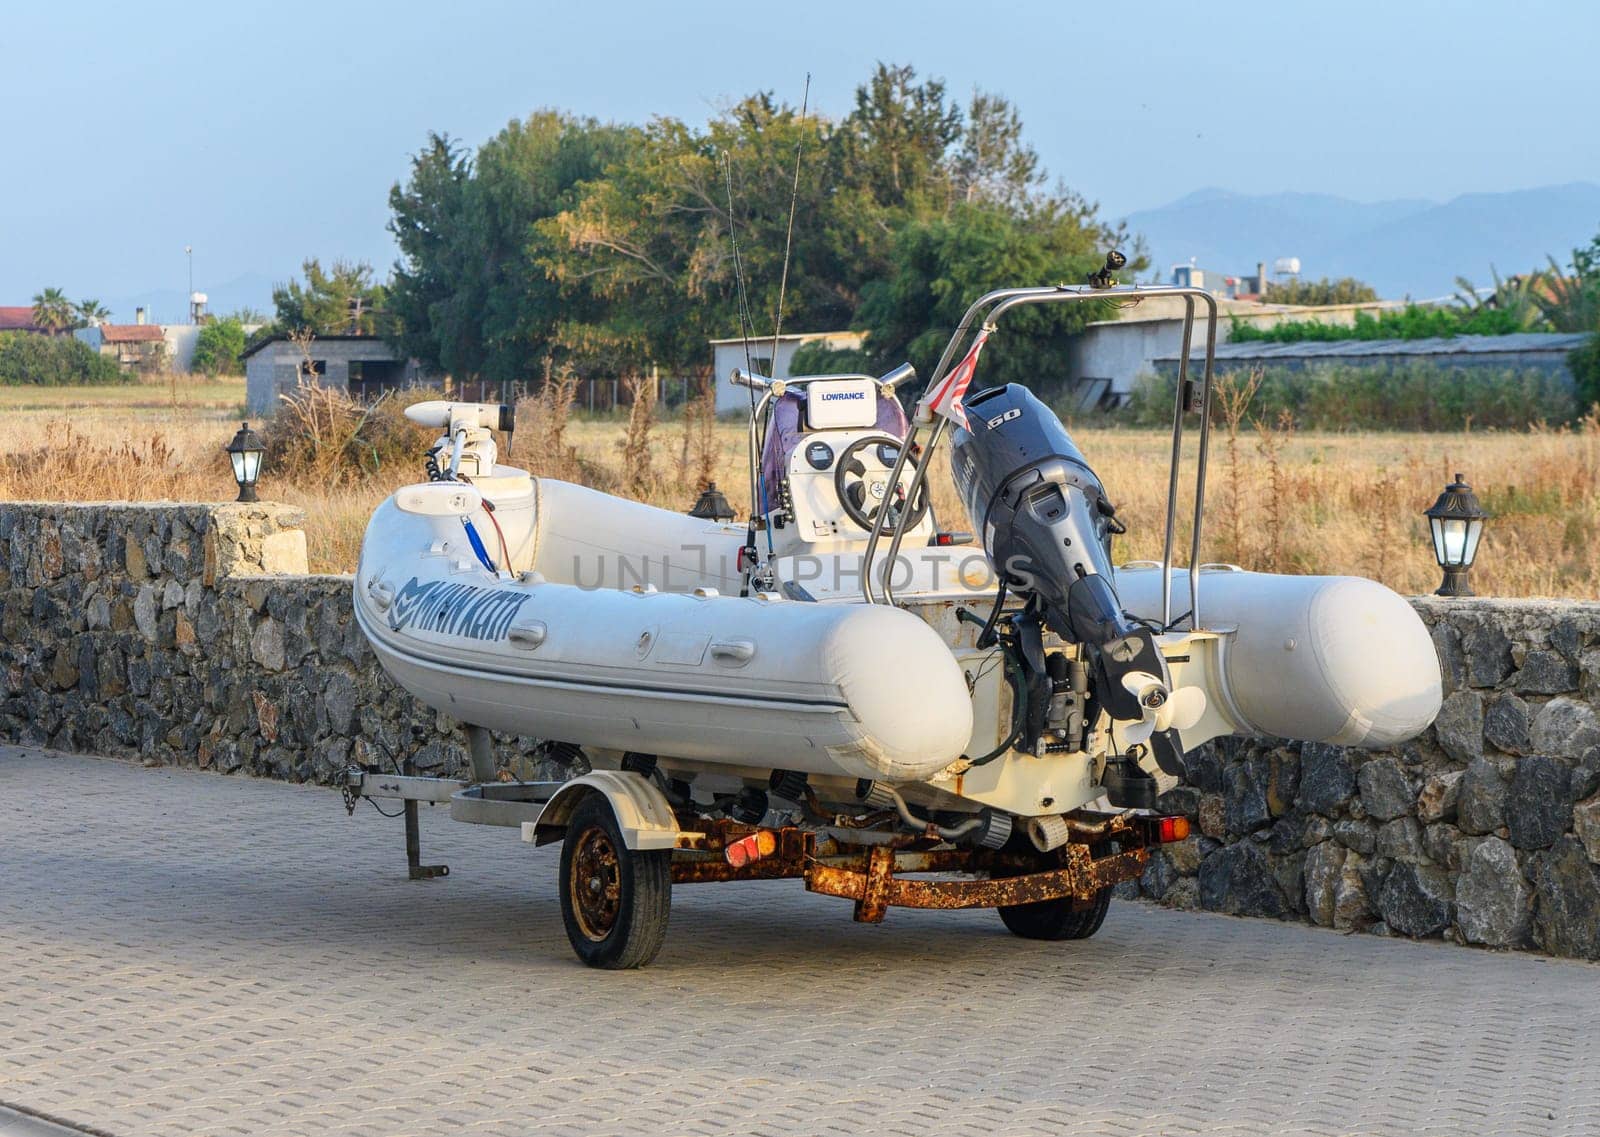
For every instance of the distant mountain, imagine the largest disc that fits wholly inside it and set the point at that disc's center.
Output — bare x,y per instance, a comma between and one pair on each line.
1402,248
171,305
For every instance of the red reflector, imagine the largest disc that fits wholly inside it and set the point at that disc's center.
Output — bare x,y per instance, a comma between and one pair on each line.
942,539
1172,829
749,849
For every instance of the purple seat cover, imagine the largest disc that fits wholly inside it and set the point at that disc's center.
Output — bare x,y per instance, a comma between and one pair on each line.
784,434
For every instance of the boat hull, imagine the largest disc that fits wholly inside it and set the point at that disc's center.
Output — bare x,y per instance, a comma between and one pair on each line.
845,690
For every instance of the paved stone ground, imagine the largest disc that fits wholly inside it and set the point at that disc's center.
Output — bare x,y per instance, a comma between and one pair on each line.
185,953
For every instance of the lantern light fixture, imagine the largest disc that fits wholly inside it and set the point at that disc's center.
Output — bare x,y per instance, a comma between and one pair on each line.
712,505
245,452
1456,521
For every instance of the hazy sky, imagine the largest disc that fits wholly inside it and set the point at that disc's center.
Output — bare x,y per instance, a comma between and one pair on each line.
267,133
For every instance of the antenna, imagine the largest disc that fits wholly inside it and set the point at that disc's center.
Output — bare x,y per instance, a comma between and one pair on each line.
757,514
788,240
746,325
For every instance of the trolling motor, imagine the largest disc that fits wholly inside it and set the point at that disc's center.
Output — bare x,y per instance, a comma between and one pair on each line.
1047,527
467,436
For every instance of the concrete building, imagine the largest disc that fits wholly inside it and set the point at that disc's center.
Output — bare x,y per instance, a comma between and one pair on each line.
134,346
366,366
1232,286
730,353
1106,359
1523,351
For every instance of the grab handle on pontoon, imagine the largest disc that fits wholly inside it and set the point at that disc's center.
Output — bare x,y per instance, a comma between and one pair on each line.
733,652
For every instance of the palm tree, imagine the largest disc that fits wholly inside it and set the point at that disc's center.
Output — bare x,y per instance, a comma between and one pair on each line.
1571,301
92,313
53,312
1517,296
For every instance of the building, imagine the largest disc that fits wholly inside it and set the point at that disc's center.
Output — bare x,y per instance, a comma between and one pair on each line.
18,320
366,366
1220,284
1523,351
134,346
1106,358
730,353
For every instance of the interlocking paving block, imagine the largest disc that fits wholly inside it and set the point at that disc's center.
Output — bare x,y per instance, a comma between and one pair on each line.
186,953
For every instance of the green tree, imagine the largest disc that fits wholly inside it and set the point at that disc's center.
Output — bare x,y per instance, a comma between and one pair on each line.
1346,290
436,294
894,141
92,313
53,361
337,301
218,346
942,265
1570,301
992,163
473,292
650,249
53,312
608,247
1584,363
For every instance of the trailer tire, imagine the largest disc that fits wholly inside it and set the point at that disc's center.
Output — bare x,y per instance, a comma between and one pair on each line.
615,901
1057,919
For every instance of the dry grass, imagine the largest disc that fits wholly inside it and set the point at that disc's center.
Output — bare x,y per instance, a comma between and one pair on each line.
148,396
1347,503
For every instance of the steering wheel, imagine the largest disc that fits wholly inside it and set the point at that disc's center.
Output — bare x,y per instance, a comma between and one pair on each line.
861,480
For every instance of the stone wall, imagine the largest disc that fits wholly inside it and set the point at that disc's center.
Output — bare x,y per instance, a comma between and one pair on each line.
172,632
1486,830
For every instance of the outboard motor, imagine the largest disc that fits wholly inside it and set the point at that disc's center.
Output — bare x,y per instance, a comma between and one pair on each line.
1046,524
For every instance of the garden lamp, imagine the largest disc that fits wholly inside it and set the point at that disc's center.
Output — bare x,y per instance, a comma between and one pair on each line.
712,505
245,453
1457,523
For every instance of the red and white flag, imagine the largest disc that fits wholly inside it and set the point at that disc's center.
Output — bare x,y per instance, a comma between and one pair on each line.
945,399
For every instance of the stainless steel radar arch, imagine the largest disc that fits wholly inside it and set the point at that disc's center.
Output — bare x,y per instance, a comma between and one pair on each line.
1186,400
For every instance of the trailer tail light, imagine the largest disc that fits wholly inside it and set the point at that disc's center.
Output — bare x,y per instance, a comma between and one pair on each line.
1169,829
748,850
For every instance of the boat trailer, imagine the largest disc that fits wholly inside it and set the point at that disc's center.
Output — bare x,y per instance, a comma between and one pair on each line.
895,871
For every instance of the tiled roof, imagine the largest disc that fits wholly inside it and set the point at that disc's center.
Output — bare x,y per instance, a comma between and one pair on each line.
131,333
16,320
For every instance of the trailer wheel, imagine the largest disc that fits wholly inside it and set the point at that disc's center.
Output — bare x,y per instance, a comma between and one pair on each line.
614,901
1057,919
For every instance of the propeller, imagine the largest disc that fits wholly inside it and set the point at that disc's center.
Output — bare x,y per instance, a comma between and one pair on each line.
1164,709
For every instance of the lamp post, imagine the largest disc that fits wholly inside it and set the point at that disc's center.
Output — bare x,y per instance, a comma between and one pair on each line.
1456,521
711,505
245,453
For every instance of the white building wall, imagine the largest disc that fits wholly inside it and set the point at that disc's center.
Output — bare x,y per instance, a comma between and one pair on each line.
1123,350
725,356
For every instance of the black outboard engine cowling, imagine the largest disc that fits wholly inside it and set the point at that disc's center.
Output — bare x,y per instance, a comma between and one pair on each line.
1046,525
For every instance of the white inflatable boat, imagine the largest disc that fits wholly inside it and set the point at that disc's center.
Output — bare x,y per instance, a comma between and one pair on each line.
1008,705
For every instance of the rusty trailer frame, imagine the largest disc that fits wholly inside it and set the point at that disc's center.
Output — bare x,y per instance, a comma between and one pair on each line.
897,874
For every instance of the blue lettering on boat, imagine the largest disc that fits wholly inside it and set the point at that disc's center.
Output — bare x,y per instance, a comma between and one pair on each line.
455,609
